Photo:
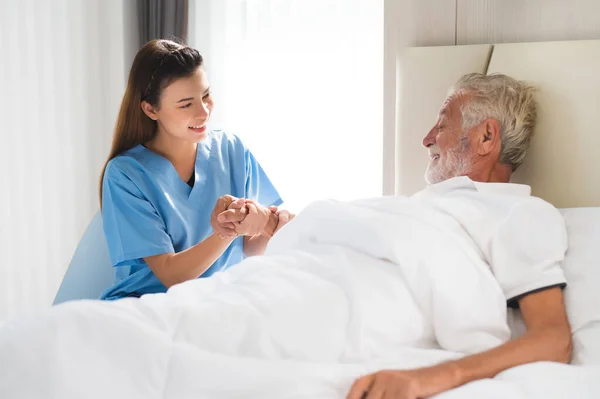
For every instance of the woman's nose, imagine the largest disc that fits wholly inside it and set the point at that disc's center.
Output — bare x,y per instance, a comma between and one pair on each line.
203,111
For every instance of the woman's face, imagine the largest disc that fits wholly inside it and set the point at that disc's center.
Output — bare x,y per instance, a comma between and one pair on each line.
184,109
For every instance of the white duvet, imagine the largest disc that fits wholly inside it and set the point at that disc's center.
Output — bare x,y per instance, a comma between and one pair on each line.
345,289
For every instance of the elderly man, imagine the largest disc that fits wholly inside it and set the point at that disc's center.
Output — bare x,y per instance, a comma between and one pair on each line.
480,138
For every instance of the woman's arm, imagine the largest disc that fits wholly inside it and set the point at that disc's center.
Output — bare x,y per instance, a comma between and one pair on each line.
173,268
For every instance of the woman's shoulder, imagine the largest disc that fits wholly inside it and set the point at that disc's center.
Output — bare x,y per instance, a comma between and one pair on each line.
226,141
129,164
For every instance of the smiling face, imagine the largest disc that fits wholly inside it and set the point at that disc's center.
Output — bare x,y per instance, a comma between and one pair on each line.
448,145
184,108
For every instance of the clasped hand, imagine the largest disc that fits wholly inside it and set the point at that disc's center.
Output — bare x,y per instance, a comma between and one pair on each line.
233,216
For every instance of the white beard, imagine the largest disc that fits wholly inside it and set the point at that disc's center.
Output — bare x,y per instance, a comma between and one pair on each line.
454,164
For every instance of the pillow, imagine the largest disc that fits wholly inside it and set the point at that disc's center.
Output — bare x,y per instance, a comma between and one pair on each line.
582,295
582,270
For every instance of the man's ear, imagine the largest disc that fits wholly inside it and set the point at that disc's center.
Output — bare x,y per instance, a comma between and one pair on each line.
149,110
488,139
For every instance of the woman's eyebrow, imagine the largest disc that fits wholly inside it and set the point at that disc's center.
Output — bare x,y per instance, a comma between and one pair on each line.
191,98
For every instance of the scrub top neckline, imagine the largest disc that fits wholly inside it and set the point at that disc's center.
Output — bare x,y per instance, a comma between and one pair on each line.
202,155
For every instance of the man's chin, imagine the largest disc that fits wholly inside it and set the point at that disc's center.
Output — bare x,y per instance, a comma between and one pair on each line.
433,176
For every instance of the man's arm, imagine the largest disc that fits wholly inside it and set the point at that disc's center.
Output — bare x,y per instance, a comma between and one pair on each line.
548,338
256,245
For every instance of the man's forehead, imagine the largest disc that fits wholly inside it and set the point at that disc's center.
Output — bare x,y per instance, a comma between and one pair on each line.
453,101
446,108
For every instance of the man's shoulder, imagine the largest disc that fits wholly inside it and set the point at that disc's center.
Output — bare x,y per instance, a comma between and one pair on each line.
536,210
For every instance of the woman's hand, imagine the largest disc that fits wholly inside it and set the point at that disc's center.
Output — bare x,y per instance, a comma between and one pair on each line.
228,211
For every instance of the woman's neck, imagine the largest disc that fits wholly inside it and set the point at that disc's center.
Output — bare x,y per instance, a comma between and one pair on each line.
175,150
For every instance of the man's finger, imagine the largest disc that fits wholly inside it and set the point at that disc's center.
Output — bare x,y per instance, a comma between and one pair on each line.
237,204
252,209
232,215
360,387
376,390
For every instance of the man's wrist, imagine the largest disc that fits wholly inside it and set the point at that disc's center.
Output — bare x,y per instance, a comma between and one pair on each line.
452,374
271,225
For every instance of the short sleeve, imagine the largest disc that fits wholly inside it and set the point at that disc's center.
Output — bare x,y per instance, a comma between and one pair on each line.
258,186
132,226
528,248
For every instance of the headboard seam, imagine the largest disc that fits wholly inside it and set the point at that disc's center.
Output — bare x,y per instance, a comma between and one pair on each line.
489,59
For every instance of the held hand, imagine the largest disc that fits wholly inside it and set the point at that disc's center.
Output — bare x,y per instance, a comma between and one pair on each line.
228,210
256,220
283,217
403,384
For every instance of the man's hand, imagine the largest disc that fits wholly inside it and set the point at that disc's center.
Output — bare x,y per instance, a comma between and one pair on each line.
284,216
228,210
403,384
254,220
548,338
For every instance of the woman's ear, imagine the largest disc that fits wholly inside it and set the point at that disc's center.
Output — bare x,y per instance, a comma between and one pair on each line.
489,137
149,110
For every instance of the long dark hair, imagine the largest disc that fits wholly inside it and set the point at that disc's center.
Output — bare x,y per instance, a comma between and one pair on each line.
157,64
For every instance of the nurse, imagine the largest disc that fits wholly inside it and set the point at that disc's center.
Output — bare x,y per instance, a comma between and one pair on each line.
169,181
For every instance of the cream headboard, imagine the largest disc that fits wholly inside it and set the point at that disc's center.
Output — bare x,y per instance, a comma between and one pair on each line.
562,166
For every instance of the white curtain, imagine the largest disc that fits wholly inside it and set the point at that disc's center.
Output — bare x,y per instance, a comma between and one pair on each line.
62,74
301,82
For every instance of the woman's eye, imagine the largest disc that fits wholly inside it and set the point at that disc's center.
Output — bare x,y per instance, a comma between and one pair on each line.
206,95
186,105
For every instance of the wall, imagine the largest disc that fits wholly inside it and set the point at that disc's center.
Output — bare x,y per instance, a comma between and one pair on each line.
450,22
62,77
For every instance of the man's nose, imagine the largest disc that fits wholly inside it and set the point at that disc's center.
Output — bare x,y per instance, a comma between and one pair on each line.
429,139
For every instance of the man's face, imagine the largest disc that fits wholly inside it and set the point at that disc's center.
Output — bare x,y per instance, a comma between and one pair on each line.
449,154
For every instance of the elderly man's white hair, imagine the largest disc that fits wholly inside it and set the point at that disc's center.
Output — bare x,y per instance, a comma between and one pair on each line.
510,102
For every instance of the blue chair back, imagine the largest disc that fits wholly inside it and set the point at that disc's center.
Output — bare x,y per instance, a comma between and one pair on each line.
90,271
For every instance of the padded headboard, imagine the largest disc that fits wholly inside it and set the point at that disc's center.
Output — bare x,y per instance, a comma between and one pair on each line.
562,166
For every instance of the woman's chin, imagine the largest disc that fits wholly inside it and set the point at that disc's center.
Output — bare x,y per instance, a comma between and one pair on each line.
197,136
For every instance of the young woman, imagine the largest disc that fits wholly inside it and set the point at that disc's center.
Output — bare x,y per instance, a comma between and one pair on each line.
176,198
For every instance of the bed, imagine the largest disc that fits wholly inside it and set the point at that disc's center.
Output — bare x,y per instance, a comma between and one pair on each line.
130,350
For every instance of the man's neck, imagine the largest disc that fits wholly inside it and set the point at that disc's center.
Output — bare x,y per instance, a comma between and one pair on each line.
499,173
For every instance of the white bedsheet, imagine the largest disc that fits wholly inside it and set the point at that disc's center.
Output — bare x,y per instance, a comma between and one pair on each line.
344,290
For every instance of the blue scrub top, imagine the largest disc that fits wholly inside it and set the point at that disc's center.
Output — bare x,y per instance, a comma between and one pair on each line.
148,210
